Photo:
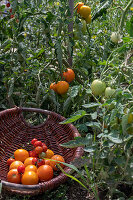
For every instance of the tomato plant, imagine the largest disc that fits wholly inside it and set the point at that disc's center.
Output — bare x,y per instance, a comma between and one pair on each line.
39,40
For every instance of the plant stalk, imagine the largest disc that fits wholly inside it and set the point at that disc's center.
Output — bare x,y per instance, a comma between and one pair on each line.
123,16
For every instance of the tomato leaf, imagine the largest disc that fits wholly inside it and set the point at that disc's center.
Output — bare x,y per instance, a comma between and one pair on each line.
124,123
74,91
77,115
79,141
115,138
91,105
102,9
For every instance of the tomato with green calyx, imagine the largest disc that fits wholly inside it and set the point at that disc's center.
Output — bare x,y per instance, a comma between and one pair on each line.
85,11
98,87
109,92
69,75
42,155
78,6
115,37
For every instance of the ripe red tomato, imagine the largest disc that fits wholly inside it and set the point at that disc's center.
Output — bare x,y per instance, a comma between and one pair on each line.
10,160
69,75
21,169
38,150
44,147
40,162
38,143
33,141
53,86
33,154
34,161
12,16
8,5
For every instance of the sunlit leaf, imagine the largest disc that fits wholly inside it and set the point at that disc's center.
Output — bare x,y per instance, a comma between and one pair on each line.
74,117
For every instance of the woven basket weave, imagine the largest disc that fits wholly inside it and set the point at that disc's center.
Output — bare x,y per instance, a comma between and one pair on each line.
16,133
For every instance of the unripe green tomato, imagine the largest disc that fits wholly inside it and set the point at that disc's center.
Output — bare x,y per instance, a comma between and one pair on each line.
115,37
109,92
84,29
130,130
76,35
98,87
130,118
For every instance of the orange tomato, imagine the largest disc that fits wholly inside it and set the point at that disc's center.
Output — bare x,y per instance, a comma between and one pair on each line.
78,6
15,164
21,154
31,168
45,172
69,75
56,158
62,87
28,161
29,178
88,19
53,86
49,153
85,11
13,176
47,162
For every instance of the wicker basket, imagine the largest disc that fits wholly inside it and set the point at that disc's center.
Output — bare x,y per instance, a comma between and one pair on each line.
15,132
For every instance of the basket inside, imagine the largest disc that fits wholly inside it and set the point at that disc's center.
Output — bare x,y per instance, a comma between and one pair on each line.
16,132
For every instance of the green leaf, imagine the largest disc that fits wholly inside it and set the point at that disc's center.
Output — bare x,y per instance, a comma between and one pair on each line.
67,104
0,187
79,141
94,115
114,137
91,105
72,177
93,124
129,27
129,143
101,9
58,52
77,115
6,45
124,123
90,149
74,91
11,87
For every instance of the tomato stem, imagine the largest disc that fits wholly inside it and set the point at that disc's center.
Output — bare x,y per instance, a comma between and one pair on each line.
123,16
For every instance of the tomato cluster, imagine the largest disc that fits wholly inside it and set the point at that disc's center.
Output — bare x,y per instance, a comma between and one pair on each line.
32,167
84,11
62,86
